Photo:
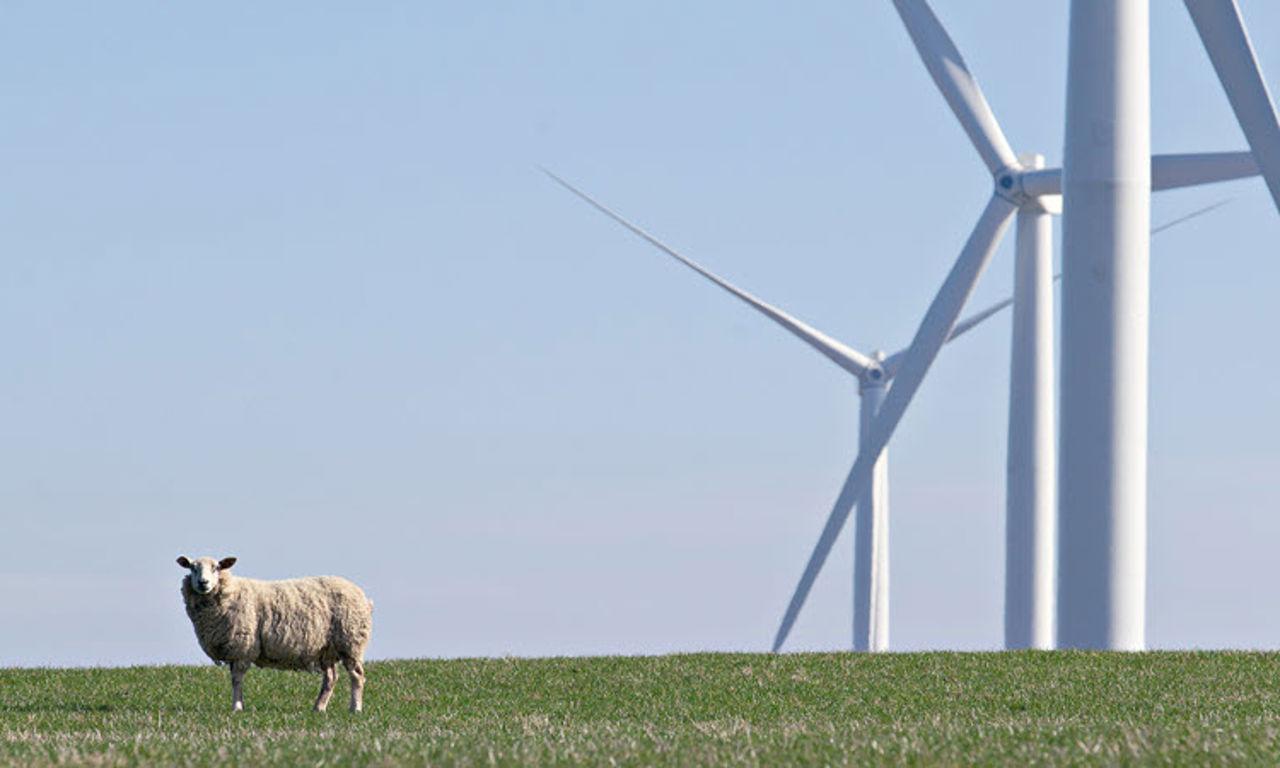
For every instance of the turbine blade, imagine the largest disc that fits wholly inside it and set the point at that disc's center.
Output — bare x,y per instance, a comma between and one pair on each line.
894,361
841,354
958,85
972,321
1174,171
1167,172
891,363
1227,43
932,334
1188,216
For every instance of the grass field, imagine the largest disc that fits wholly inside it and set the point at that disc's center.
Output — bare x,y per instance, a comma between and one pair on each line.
822,709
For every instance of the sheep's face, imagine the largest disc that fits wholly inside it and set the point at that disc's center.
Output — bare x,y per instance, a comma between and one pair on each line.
205,573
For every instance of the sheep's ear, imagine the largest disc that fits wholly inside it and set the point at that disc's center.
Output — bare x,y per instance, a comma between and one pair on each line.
226,563
184,562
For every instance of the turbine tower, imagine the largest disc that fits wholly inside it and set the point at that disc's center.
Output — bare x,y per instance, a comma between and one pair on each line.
1107,183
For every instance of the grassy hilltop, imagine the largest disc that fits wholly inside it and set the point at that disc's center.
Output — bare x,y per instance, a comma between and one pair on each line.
822,709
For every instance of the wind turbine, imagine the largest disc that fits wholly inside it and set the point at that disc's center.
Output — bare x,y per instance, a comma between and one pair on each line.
1022,186
874,372
1102,501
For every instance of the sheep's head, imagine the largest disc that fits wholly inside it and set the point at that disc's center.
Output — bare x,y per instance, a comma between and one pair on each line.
205,572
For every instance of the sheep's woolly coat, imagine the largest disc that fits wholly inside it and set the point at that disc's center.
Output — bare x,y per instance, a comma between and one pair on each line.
308,623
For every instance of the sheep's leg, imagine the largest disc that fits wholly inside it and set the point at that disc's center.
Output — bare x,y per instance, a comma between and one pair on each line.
355,668
330,676
238,668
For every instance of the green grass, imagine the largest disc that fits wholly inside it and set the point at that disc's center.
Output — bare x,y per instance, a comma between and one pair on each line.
1016,709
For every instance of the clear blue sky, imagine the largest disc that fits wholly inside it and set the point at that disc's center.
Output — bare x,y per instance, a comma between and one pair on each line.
282,281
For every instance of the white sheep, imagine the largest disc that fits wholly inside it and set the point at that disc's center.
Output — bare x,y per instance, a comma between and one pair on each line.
310,623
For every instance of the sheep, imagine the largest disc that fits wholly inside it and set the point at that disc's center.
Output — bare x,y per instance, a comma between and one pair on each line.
308,624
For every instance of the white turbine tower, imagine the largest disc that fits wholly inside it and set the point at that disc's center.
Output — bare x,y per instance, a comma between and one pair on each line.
1025,187
1107,181
874,373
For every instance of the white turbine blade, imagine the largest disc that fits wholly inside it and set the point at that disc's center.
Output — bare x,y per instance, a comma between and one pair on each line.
1174,171
842,355
891,363
1167,172
971,322
1227,43
958,86
1188,216
932,334
894,361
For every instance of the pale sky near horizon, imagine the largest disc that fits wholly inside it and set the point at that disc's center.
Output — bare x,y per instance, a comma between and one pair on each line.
283,281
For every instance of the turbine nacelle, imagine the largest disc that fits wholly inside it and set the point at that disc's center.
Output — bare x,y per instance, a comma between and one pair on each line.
1008,184
877,375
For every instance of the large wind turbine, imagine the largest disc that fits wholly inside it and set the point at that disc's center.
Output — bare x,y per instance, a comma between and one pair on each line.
1025,187
874,373
1102,500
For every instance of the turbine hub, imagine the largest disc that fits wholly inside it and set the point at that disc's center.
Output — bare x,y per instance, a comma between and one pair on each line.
875,376
1008,184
